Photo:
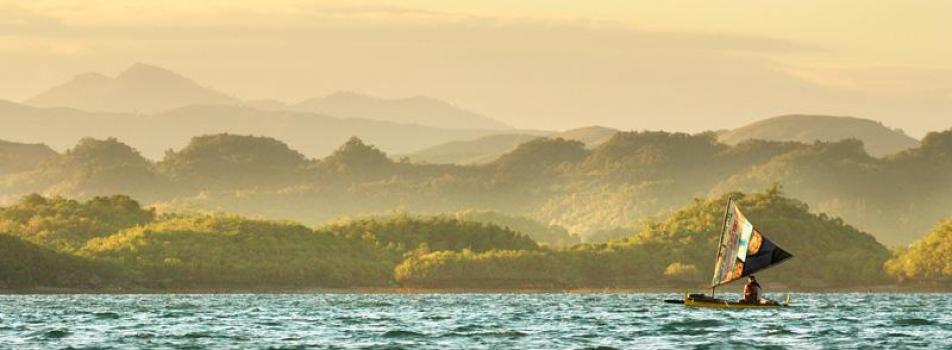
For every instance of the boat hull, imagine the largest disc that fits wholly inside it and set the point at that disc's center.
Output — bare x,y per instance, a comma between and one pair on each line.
724,304
701,300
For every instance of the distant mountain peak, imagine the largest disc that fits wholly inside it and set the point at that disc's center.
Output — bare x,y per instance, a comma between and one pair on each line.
151,89
140,88
147,72
879,140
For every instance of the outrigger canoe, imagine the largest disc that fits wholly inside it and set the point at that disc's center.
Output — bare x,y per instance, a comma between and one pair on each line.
703,300
741,251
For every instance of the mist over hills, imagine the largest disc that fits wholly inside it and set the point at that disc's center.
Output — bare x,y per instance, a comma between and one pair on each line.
149,89
313,134
489,148
608,188
877,139
418,110
284,161
16,157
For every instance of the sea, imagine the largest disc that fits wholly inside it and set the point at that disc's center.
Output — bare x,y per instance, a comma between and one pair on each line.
468,321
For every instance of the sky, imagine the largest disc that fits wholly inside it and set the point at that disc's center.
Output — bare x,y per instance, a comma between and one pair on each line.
541,64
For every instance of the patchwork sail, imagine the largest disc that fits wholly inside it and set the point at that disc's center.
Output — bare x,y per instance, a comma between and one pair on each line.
743,249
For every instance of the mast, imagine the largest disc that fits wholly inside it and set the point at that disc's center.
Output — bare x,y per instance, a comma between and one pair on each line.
720,242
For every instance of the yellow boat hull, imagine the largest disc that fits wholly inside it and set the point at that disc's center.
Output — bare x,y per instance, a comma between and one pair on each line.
701,300
724,304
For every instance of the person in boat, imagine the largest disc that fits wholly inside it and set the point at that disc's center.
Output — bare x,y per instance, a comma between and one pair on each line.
752,291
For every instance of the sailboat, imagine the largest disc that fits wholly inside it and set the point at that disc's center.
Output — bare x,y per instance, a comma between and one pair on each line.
742,250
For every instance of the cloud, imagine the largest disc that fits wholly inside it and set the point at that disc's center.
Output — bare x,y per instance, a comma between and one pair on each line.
363,25
879,79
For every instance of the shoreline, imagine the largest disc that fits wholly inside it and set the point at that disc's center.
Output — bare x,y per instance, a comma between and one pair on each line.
886,289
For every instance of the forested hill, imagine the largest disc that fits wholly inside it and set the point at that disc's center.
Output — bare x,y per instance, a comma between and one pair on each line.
601,192
112,243
489,148
674,250
17,157
926,260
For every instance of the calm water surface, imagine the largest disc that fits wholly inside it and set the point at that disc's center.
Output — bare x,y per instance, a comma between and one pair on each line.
467,321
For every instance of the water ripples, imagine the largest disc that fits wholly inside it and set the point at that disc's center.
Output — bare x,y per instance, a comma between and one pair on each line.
467,321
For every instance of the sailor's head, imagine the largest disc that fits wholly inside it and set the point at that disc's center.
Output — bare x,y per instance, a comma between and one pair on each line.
751,278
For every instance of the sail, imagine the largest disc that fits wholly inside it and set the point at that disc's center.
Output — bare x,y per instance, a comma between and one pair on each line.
743,249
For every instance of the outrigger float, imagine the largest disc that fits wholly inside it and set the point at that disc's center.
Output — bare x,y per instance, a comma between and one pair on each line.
742,250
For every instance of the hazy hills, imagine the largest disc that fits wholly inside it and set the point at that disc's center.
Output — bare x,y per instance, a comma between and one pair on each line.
149,89
16,157
878,139
590,192
140,88
418,110
145,97
489,148
313,134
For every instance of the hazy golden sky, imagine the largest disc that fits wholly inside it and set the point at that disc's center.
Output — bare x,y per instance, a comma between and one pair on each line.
675,65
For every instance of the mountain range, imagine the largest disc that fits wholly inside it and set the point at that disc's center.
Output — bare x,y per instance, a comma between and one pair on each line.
139,103
141,88
313,134
148,89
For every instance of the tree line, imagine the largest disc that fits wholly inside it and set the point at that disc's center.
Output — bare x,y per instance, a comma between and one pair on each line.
595,194
114,243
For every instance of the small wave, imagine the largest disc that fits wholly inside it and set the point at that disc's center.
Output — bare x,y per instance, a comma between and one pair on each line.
601,347
56,334
781,332
183,306
106,315
436,318
468,328
913,322
402,334
176,314
212,335
708,323
898,335
499,334
198,335
835,333
778,330
507,334
373,304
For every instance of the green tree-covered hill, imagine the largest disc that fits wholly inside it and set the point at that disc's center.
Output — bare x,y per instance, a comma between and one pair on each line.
113,242
675,250
25,265
928,260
